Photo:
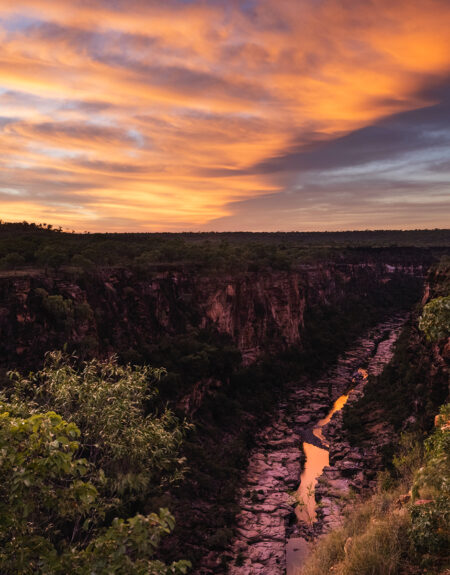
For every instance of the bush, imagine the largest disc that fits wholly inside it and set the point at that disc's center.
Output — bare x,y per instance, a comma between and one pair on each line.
58,310
57,507
137,451
128,547
430,531
42,487
435,320
11,261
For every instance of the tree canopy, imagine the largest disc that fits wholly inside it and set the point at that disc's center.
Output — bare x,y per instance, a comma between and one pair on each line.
67,478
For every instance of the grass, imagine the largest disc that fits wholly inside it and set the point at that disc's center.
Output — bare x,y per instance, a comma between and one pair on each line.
372,541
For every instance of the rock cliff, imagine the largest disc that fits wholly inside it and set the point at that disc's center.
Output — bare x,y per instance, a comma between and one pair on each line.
107,311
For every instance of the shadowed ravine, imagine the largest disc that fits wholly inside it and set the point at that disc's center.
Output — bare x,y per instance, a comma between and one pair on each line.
272,535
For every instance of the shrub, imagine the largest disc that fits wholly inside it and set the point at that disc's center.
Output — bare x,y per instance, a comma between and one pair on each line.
42,486
137,451
430,531
128,547
56,509
435,320
11,261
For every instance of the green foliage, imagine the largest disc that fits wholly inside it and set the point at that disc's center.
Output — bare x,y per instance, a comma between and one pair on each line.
11,261
42,487
83,312
127,548
82,262
435,320
42,246
56,508
58,310
436,472
108,402
190,357
51,256
430,531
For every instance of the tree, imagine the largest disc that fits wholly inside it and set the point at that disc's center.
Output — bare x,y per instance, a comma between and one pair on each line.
138,451
56,507
42,487
51,256
12,261
128,547
435,320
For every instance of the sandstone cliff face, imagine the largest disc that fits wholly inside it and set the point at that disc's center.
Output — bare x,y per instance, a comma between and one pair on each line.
261,312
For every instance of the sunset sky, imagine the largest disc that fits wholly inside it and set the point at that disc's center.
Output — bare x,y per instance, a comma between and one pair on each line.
129,115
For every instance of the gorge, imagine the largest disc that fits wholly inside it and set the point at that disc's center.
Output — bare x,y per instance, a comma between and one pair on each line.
268,521
255,361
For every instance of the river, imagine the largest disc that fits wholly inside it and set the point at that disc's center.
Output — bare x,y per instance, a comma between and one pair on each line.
270,536
317,457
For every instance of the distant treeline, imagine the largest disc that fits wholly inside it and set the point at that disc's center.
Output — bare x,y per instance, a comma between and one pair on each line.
29,245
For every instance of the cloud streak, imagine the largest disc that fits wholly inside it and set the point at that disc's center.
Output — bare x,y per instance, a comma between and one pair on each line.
201,115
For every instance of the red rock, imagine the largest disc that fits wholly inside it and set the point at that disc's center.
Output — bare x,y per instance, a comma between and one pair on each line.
423,501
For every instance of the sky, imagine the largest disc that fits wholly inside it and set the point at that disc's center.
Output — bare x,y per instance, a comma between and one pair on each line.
260,115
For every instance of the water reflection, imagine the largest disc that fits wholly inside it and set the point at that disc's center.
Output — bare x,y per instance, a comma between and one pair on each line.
317,458
337,406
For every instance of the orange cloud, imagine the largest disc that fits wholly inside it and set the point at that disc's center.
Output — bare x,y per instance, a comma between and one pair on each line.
154,115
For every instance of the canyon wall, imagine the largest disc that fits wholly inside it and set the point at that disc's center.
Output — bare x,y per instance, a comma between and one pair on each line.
107,311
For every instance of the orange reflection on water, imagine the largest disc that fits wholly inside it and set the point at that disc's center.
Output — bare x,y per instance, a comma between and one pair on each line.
337,406
316,459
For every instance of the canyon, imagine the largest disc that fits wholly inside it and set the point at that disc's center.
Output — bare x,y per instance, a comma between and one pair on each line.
310,315
268,523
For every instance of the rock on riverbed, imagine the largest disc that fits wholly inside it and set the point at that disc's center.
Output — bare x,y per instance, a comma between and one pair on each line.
266,520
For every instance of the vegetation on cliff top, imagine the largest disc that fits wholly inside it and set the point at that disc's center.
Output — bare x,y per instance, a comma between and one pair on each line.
24,245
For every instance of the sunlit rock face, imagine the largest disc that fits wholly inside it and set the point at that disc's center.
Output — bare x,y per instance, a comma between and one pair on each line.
260,311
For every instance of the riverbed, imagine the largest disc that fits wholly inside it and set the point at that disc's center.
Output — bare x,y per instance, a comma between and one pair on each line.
291,454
